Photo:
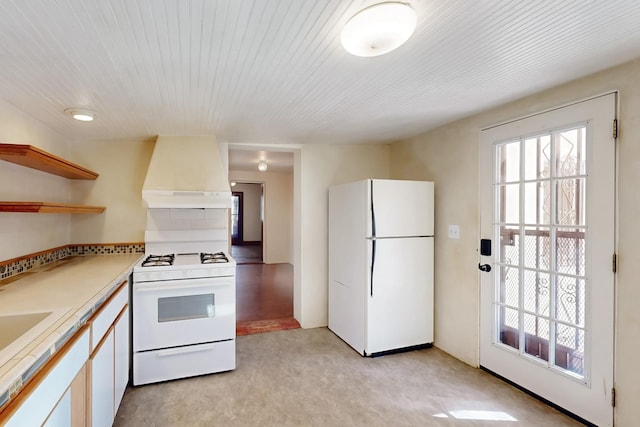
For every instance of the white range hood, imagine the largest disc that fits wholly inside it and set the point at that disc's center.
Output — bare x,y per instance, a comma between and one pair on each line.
186,172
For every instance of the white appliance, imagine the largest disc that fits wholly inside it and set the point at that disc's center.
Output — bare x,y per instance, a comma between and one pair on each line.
381,264
184,317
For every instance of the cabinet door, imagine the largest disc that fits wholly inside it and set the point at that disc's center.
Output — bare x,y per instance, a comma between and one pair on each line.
61,414
102,367
46,389
121,357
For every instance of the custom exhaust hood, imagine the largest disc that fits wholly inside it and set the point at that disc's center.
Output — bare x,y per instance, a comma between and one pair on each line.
186,172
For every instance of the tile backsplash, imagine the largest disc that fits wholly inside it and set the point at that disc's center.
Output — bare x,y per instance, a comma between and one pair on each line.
28,262
187,219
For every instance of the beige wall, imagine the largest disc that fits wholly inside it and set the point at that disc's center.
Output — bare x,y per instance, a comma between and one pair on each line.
278,212
25,233
122,166
321,167
449,156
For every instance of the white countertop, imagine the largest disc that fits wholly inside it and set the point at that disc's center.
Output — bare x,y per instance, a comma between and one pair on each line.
71,289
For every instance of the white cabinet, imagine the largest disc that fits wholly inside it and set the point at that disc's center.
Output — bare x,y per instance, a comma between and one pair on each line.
121,360
102,384
110,358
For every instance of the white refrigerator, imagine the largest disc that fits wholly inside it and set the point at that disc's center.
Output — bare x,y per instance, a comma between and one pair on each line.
381,264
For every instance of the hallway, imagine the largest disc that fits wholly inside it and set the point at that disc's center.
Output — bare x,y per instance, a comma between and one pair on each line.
264,298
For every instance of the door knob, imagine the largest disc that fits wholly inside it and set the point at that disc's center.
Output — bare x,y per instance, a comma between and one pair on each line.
484,267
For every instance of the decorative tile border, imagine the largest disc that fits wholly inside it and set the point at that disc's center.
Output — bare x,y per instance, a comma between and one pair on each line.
19,265
107,249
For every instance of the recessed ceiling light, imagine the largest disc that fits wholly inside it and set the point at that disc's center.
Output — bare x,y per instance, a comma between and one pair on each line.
81,114
379,29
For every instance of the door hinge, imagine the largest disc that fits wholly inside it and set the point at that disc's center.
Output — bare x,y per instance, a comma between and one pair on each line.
615,129
614,264
613,397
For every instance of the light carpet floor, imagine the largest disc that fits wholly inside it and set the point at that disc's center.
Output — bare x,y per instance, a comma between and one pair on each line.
309,377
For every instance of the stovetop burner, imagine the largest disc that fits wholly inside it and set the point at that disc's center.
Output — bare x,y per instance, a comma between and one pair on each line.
181,266
213,258
158,260
181,260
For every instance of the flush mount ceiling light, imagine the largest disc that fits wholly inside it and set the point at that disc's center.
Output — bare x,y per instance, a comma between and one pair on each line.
379,29
262,166
81,114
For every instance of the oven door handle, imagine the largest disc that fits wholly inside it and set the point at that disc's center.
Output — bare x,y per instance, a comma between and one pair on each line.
185,350
153,287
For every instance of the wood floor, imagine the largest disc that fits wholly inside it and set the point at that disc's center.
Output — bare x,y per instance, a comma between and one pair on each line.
264,298
247,254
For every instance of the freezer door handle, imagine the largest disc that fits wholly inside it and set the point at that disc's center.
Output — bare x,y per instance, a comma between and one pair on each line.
373,261
373,214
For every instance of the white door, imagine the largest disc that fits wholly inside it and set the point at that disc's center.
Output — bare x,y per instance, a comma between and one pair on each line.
547,203
102,397
400,294
401,208
172,313
121,358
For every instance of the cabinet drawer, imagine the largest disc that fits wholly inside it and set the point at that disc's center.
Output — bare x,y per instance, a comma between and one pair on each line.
102,320
182,362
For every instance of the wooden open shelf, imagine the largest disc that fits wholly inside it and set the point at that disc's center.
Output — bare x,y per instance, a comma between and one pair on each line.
46,207
35,158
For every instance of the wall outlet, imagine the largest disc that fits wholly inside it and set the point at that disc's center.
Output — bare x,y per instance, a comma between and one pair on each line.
454,231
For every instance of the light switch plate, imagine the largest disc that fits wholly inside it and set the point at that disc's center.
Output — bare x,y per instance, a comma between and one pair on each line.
454,231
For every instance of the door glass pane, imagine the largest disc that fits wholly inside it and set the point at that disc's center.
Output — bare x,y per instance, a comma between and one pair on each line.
171,309
570,250
570,349
537,293
537,157
536,336
510,289
570,300
509,245
536,202
509,162
509,199
508,332
570,146
537,248
570,201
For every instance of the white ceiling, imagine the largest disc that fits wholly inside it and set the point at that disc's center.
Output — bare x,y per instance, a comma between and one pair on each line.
273,71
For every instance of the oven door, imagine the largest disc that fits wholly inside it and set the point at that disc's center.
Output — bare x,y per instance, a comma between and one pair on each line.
173,313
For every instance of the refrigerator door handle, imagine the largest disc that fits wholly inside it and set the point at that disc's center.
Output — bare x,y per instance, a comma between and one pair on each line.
373,261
